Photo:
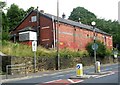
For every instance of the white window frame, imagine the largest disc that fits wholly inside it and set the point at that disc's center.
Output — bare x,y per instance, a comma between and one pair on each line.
33,18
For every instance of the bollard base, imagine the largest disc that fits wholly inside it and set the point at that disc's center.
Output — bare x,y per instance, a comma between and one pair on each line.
99,73
80,77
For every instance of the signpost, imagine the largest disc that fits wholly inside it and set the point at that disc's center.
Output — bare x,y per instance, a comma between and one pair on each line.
95,47
34,49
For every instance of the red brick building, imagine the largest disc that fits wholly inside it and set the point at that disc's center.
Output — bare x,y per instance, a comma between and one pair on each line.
72,34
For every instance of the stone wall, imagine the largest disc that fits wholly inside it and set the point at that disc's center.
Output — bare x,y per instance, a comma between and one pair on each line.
48,63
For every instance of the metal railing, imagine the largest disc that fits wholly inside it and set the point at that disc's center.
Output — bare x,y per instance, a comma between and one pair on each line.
18,67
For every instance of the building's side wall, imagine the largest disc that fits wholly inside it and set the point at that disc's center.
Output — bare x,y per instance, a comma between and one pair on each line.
74,37
46,32
77,38
27,23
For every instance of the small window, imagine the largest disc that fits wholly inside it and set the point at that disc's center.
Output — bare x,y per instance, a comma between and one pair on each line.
88,36
33,19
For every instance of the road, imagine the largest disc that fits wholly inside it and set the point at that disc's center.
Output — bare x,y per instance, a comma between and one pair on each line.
63,77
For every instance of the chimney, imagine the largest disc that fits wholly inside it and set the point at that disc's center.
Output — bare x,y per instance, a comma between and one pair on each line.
63,16
79,21
42,11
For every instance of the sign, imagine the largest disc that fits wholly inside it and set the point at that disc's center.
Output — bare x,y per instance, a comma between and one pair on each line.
34,46
79,70
115,52
78,66
95,46
115,56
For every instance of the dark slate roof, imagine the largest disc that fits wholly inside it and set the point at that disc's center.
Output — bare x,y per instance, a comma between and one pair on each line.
66,21
73,23
27,29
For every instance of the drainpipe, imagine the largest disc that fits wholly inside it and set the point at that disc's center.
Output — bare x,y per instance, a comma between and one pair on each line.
53,31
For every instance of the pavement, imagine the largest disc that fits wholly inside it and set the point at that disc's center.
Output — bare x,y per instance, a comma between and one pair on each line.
41,74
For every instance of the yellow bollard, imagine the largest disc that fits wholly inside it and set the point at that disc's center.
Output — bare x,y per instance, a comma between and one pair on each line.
79,70
98,66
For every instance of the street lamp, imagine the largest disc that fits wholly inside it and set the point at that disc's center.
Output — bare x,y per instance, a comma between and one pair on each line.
94,44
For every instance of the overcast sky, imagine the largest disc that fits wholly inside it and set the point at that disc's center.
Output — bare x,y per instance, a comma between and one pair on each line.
107,9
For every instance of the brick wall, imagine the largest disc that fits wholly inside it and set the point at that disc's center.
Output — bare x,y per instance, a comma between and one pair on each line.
77,38
46,32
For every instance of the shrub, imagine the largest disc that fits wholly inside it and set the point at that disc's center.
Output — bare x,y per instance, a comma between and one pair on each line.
100,52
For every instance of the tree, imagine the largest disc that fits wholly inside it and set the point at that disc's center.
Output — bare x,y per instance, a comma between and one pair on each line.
2,4
4,22
5,28
31,8
14,15
83,14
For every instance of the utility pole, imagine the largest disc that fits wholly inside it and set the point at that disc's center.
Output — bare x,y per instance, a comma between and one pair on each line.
0,28
57,57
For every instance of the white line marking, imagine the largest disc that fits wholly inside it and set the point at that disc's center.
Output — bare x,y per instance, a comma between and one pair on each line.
94,75
70,80
53,81
57,76
79,81
44,74
105,75
73,81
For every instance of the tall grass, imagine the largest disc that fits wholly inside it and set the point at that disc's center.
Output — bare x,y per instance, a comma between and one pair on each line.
16,49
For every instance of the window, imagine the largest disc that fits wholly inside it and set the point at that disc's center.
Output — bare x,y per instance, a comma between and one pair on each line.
75,29
88,36
33,19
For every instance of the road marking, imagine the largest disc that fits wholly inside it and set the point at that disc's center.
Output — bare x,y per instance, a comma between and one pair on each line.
68,81
53,81
57,76
72,81
44,75
94,75
105,75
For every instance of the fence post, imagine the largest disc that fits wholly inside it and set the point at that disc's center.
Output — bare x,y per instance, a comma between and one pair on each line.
7,72
25,70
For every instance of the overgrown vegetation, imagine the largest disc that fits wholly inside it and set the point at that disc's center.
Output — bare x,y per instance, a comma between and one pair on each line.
68,53
16,49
